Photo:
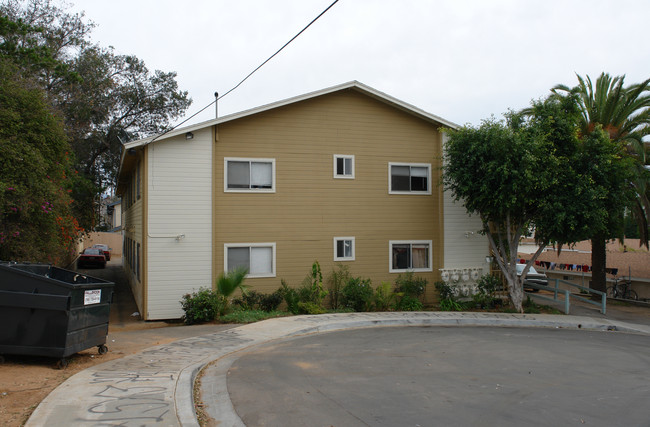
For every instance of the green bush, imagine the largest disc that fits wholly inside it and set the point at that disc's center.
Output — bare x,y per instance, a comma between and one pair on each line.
336,281
411,285
290,296
487,286
309,307
202,306
270,302
445,291
408,303
385,297
357,294
254,300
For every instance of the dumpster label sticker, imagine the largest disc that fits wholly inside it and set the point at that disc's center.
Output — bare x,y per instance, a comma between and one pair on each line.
93,296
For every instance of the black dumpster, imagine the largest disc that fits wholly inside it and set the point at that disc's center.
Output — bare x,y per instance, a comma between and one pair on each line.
50,311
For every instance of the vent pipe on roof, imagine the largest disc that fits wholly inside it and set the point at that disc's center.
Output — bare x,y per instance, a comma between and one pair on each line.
216,105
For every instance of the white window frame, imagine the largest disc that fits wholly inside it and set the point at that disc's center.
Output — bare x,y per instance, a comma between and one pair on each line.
344,258
409,242
271,245
422,165
248,190
344,156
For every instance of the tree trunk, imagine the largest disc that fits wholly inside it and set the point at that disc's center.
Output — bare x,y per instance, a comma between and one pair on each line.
598,262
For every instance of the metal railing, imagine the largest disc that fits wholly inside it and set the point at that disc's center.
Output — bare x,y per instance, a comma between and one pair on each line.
568,295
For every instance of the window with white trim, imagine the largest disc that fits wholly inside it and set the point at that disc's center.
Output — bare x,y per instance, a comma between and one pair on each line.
258,258
343,166
409,178
410,255
344,249
249,175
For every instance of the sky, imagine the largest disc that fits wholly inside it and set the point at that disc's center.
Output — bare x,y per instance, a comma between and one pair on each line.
462,60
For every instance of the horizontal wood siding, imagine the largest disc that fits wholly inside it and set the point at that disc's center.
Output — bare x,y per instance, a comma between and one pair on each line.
309,206
180,203
132,223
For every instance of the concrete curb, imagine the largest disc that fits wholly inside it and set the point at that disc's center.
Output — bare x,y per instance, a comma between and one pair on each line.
156,385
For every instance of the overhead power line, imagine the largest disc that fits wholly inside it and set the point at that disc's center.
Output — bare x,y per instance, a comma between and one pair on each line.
250,74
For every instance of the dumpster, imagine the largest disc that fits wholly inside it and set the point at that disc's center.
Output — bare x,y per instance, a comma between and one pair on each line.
50,311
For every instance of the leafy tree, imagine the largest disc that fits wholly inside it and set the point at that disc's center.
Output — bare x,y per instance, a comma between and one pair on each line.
105,98
624,114
36,175
531,172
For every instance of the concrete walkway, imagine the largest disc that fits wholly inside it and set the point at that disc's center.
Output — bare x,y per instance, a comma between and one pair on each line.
155,387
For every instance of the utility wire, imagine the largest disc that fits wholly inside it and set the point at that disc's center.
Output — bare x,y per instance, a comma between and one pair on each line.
250,74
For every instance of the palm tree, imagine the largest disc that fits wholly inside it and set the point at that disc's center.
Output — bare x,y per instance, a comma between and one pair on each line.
624,113
228,283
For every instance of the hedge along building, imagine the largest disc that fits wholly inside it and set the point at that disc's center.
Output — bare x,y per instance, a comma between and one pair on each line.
343,175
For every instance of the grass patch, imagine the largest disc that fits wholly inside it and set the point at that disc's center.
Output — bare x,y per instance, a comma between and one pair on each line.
250,316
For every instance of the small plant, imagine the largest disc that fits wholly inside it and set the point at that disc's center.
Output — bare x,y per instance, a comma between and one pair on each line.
487,286
450,305
309,307
201,306
270,302
448,297
385,297
290,296
228,283
357,294
336,281
408,303
411,285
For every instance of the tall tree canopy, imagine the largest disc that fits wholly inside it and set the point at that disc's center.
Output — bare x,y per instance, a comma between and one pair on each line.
36,175
533,172
624,113
104,98
66,107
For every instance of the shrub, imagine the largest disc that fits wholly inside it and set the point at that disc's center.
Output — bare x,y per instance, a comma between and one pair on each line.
309,307
408,303
202,306
487,286
411,285
248,301
385,297
270,302
336,281
357,294
290,296
447,297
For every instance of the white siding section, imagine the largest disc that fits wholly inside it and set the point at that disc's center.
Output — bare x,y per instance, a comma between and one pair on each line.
180,221
464,246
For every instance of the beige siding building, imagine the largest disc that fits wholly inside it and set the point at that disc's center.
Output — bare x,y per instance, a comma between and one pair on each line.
343,175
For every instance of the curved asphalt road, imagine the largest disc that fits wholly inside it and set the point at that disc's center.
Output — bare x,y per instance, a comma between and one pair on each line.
442,376
155,387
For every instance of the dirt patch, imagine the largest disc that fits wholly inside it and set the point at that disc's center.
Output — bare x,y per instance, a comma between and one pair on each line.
26,380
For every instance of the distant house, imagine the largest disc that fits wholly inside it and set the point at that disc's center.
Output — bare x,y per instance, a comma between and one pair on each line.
114,215
344,175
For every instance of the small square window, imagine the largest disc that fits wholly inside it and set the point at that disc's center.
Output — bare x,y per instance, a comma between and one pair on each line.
344,249
343,166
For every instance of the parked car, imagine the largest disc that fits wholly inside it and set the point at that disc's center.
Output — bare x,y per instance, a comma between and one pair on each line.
91,257
105,249
533,277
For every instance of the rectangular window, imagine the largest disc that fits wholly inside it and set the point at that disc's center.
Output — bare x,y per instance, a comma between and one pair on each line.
413,255
344,249
249,175
258,258
343,166
413,178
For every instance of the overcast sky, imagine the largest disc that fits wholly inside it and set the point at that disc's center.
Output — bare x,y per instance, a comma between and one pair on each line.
463,60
